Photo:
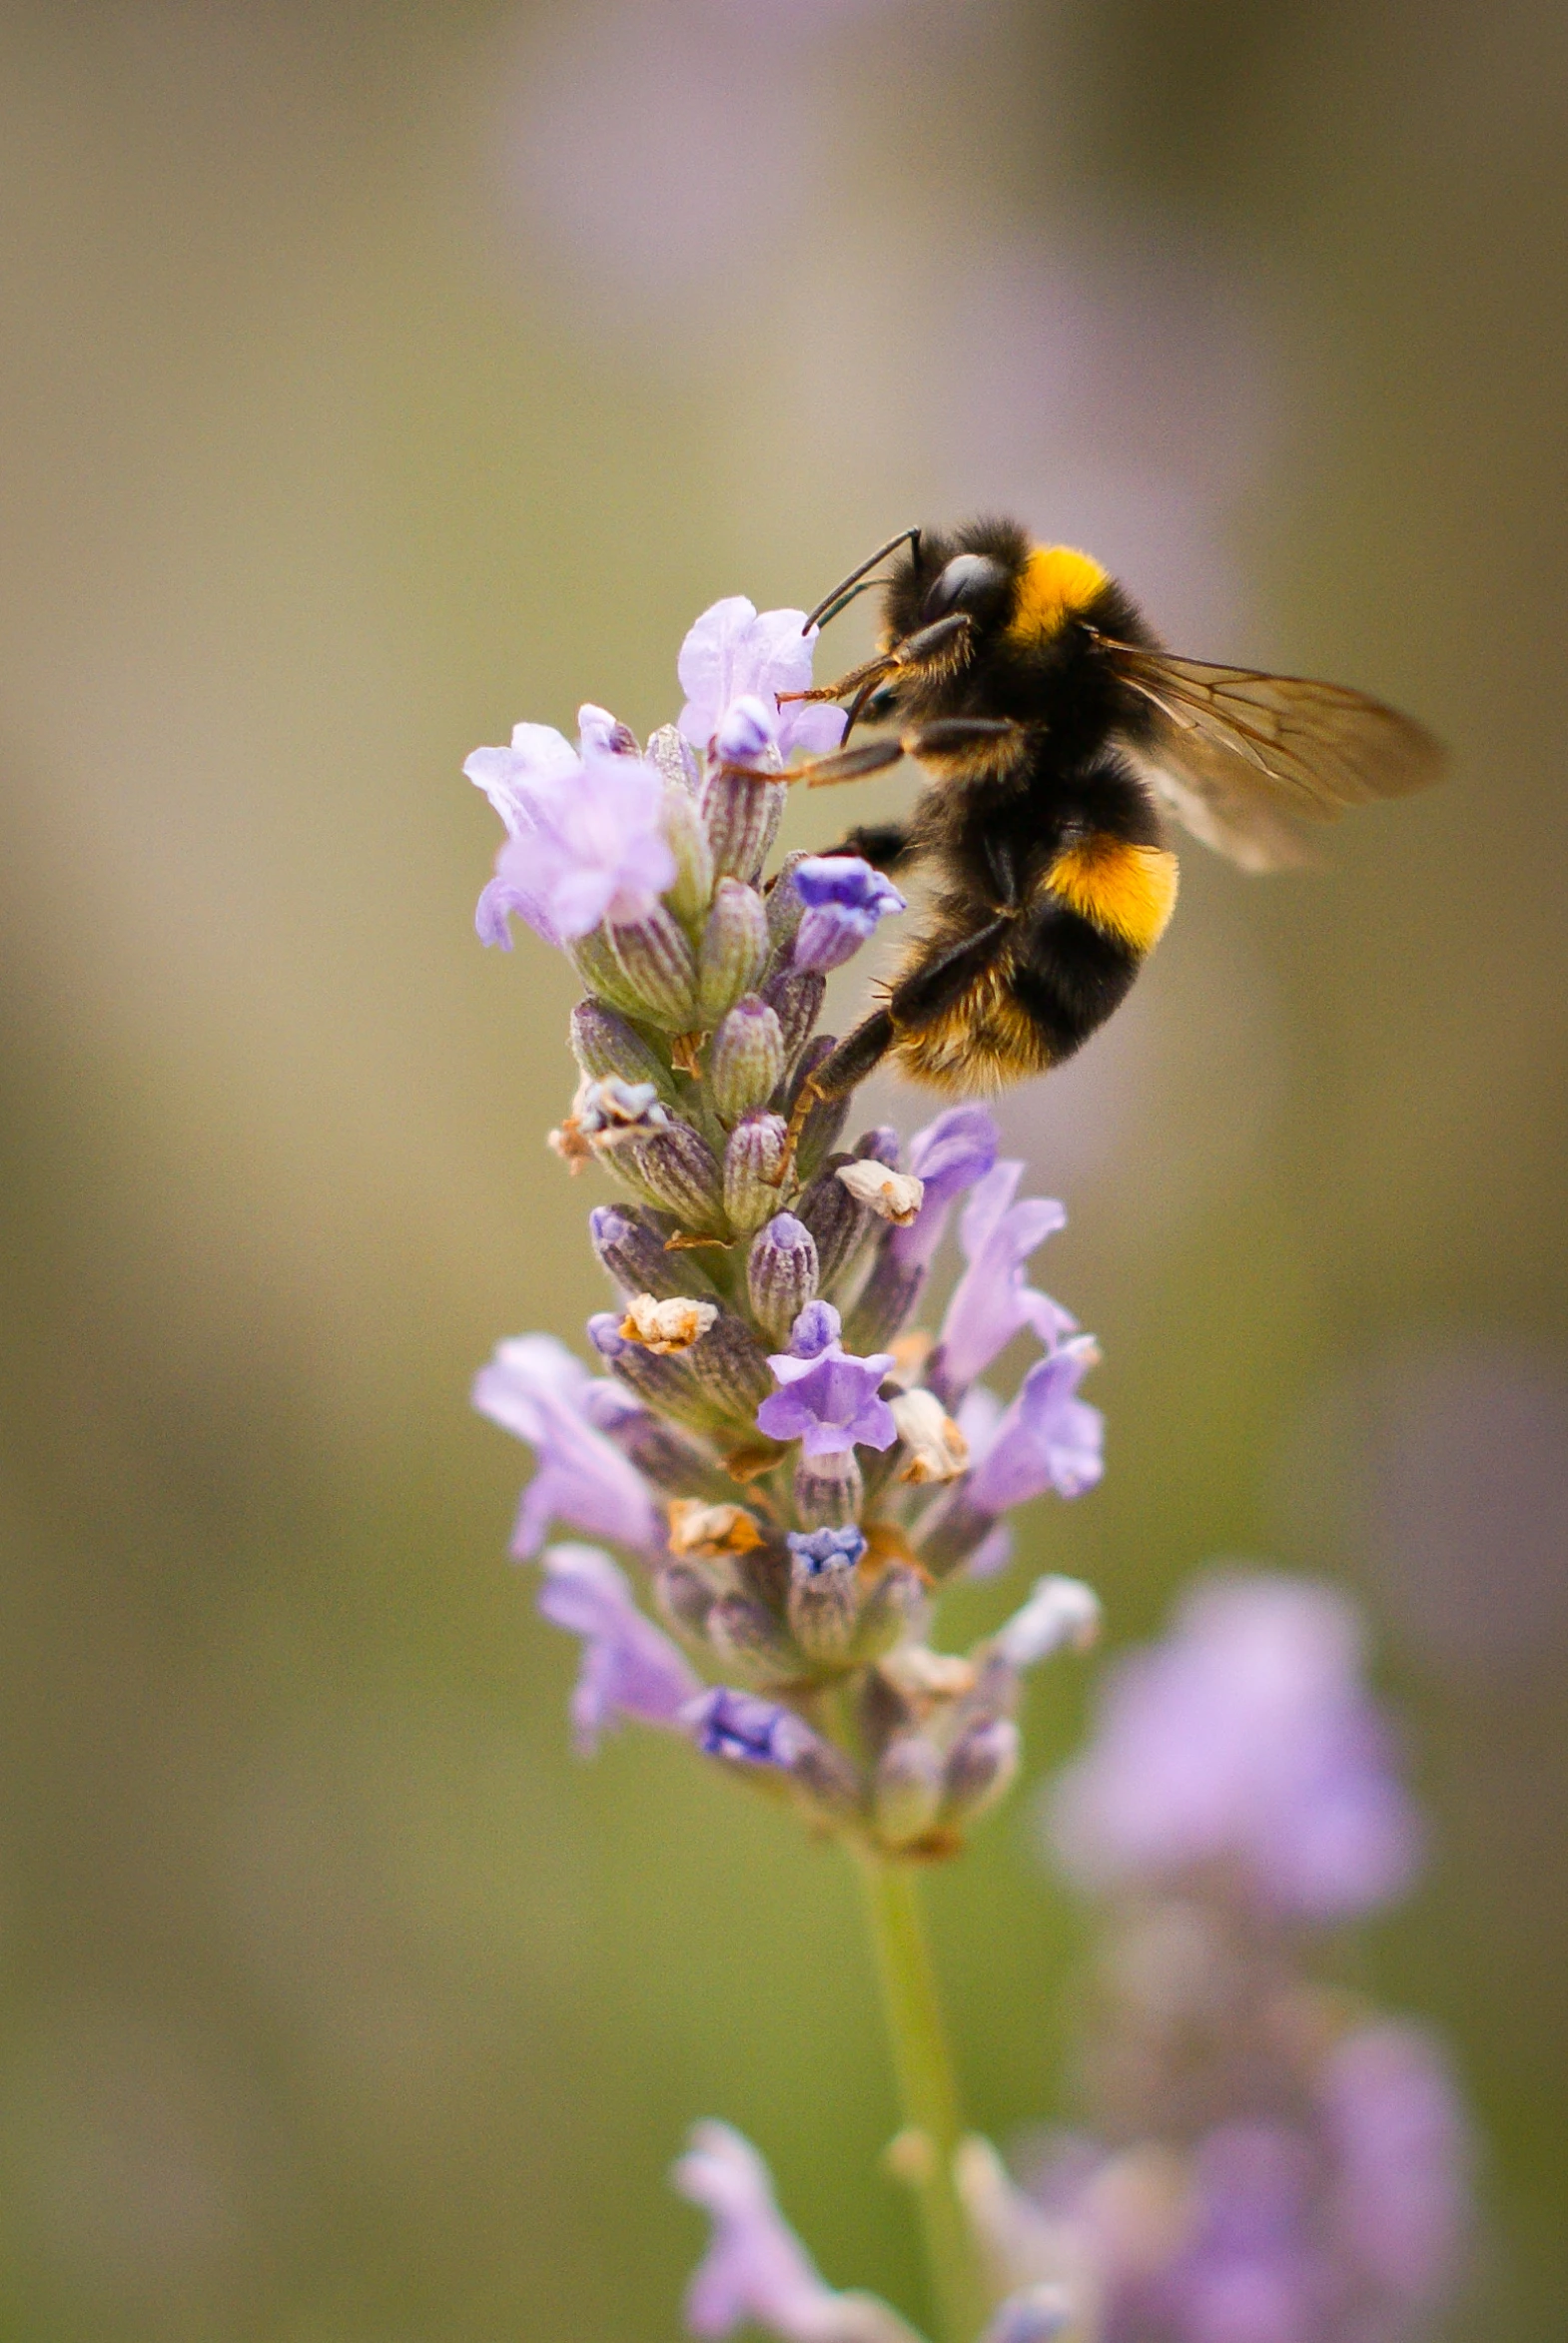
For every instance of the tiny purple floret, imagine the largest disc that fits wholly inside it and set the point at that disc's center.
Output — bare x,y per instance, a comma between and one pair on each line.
827,1399
732,654
949,1156
845,900
629,1667
1048,1438
991,1299
534,1388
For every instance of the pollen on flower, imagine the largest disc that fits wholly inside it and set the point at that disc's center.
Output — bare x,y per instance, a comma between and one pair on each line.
667,1328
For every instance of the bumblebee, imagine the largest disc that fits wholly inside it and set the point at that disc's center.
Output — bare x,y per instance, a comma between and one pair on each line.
1057,735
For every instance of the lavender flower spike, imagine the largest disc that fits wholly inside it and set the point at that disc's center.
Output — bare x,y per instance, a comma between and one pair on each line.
827,1398
585,838
1048,1439
845,900
629,1668
1246,1738
756,2268
733,653
991,1301
533,1387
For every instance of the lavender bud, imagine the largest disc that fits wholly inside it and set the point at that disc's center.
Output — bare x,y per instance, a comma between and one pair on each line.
658,962
746,1061
907,1790
740,812
896,1611
671,753
952,1531
885,1300
692,891
604,975
829,1491
606,1047
796,998
781,1275
824,1595
734,948
664,1456
838,1224
732,1367
980,1768
629,1243
742,1630
663,1382
743,1731
880,1144
686,1598
826,1119
753,1162
785,907
676,1167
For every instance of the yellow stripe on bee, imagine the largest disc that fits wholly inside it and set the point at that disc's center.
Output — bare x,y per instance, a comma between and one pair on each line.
1126,891
1057,584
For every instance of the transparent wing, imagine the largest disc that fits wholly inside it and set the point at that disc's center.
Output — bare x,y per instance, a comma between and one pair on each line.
1244,758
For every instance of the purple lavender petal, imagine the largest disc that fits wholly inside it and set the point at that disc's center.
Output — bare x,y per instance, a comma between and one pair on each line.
1245,1738
949,1156
629,1668
829,1403
1048,1439
534,1388
585,841
816,1328
732,654
845,900
991,1301
756,2269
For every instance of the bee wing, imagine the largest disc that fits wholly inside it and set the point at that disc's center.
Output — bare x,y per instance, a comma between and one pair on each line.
1242,758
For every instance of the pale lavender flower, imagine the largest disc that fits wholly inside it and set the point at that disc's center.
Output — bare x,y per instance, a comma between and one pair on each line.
1048,1438
585,840
1035,2316
845,900
949,1156
736,653
534,1388
1246,1738
827,1398
1404,2158
992,1300
629,1667
756,2269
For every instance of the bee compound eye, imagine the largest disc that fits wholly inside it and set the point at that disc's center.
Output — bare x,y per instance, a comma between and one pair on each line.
964,584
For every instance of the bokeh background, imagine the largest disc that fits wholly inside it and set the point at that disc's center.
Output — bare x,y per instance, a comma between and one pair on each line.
371,377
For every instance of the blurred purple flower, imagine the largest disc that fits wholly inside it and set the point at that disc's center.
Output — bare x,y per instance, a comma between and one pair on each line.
1246,1738
536,1389
818,1550
736,653
1404,2158
584,838
1048,1438
629,1667
756,2269
991,1300
949,1156
845,899
827,1399
743,1725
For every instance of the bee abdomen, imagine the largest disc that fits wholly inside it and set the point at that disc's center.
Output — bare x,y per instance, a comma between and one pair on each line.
1126,890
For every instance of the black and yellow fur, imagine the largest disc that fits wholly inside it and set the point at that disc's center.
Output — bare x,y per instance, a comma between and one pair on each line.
1052,878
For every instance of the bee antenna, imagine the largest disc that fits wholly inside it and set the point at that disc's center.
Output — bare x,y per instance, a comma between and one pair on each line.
831,604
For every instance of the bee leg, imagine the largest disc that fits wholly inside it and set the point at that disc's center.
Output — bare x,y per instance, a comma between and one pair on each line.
847,764
858,1055
885,845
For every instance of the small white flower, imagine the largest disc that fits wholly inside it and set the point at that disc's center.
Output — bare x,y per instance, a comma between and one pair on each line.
667,1327
938,1451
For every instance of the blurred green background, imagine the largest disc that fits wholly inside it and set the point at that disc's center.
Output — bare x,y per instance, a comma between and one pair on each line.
373,376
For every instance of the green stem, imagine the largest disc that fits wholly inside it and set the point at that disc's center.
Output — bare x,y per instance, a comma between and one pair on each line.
927,2091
